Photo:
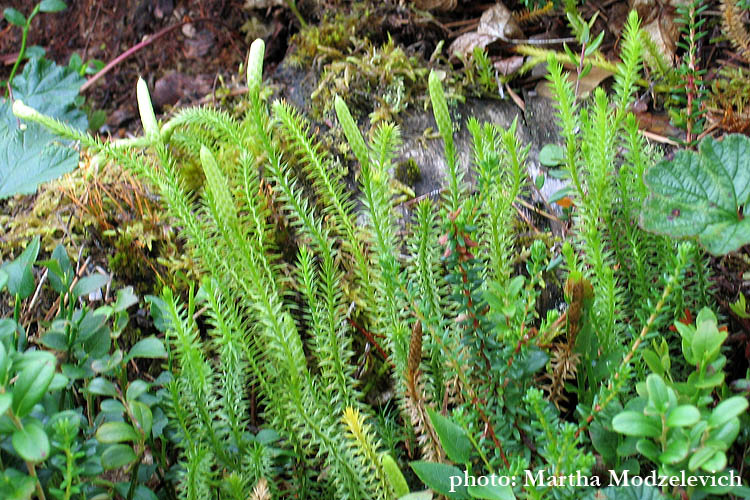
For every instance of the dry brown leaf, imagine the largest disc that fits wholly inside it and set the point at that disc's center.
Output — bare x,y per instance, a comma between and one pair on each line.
498,21
586,85
509,65
659,22
465,43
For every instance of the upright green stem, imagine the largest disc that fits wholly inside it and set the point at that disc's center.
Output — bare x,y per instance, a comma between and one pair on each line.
22,52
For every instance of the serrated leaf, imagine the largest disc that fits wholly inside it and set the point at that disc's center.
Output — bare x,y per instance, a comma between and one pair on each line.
453,438
31,155
702,194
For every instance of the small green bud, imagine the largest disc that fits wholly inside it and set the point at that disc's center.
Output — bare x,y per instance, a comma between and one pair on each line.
255,65
23,111
146,109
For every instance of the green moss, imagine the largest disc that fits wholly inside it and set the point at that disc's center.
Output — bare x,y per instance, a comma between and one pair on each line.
408,172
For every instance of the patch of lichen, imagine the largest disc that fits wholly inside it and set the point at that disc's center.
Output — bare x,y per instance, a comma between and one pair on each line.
103,212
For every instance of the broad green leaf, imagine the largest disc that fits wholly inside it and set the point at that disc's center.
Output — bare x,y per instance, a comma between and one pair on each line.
135,389
143,416
648,449
102,387
150,347
55,340
683,416
716,463
677,450
727,410
707,339
15,485
116,432
658,392
52,5
490,492
631,423
702,194
31,385
31,442
112,406
31,155
394,475
19,271
453,438
89,284
116,456
5,400
701,456
552,155
3,279
14,17
61,270
438,477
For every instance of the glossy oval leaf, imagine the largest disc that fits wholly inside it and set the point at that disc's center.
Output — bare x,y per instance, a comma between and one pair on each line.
31,385
636,424
727,410
116,432
683,416
52,5
150,347
31,442
89,284
15,485
702,194
117,455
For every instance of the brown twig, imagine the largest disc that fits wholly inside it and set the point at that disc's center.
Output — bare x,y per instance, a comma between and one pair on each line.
135,48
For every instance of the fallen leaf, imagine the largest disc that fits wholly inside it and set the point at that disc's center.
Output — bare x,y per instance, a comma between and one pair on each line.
509,65
498,21
466,43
